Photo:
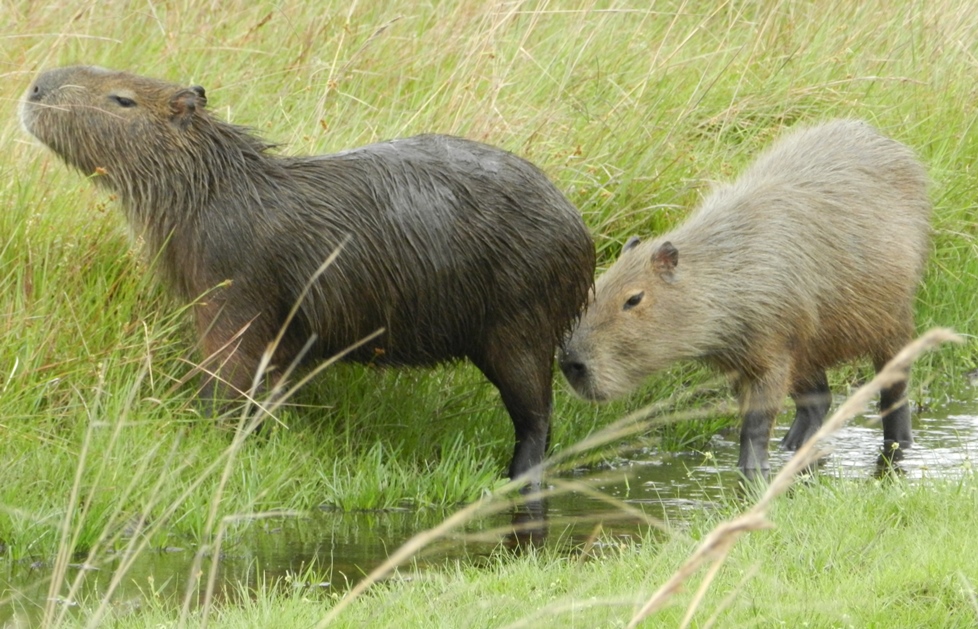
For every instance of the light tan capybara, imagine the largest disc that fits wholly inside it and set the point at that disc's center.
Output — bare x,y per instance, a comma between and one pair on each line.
809,259
454,249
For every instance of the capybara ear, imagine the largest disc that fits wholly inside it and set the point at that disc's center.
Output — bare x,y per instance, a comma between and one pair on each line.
664,261
200,92
184,104
631,242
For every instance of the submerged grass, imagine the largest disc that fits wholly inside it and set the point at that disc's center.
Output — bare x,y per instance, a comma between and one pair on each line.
632,109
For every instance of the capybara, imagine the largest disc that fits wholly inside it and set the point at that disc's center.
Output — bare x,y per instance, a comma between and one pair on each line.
449,248
810,258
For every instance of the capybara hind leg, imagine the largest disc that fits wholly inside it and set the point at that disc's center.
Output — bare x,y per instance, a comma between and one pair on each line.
525,386
812,399
760,400
528,403
895,413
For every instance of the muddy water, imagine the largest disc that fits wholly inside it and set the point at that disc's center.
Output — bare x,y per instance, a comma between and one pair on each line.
342,547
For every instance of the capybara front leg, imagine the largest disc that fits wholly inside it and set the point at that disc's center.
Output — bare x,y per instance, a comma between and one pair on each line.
760,400
812,399
754,436
232,352
228,376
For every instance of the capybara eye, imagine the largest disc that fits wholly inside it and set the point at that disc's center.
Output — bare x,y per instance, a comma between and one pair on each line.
122,101
633,301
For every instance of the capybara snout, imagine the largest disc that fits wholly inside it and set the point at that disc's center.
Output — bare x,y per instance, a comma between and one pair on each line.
574,370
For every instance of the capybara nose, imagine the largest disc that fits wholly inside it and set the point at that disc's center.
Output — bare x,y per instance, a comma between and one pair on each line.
574,369
37,91
44,84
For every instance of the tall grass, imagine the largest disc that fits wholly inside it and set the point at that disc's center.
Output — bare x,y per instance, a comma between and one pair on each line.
631,108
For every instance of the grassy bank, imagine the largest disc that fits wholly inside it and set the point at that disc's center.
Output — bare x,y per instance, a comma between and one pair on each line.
631,109
842,554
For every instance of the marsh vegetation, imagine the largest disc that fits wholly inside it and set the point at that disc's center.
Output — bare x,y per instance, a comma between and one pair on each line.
632,110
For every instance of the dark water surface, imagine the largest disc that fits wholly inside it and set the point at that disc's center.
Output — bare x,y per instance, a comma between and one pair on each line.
342,547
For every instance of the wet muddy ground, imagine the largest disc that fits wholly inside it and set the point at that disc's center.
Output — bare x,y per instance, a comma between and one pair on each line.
342,547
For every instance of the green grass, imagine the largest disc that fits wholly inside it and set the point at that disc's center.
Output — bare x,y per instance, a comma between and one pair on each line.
841,554
631,110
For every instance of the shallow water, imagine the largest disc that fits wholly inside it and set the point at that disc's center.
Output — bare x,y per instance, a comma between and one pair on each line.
344,546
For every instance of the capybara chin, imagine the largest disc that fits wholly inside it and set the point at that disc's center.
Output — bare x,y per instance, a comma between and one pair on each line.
809,259
453,249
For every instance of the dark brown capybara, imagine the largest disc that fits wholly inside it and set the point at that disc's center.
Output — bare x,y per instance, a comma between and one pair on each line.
811,258
453,249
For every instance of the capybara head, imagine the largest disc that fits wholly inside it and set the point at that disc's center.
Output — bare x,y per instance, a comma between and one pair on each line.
118,125
633,323
151,142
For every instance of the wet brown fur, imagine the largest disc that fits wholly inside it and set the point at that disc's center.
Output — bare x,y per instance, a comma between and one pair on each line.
453,249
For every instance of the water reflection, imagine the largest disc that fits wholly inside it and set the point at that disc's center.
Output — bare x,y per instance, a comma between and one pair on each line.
342,547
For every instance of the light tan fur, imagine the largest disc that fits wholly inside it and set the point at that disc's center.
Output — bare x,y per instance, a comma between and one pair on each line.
809,259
